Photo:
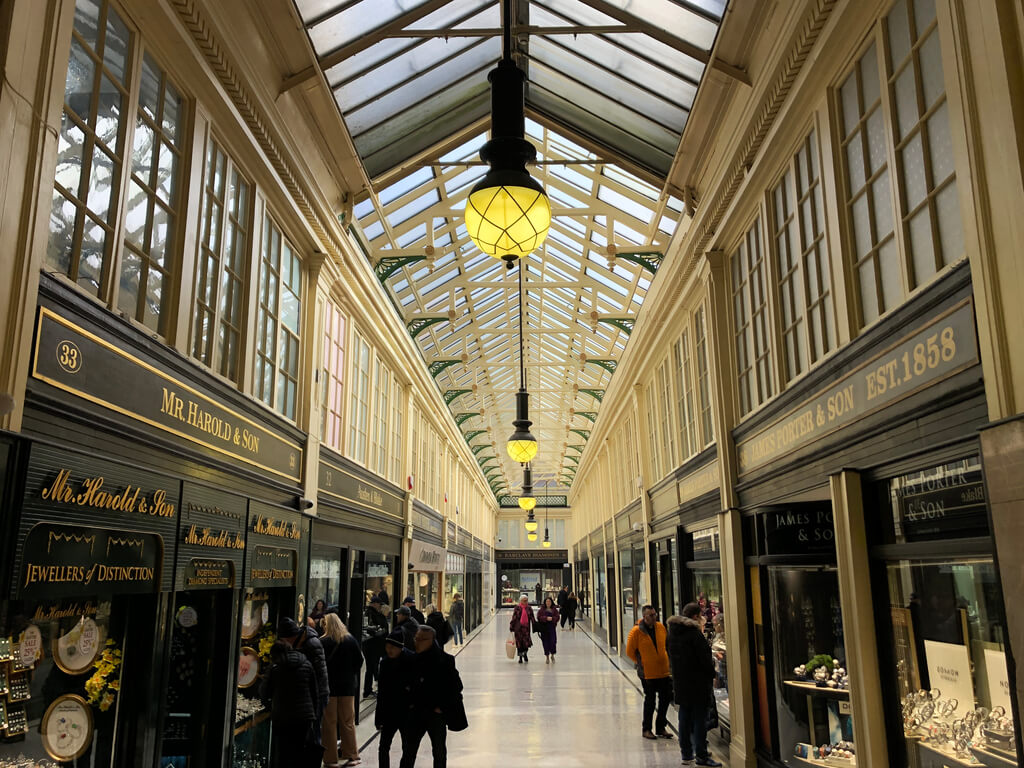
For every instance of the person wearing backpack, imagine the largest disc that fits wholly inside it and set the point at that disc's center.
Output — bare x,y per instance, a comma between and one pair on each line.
344,660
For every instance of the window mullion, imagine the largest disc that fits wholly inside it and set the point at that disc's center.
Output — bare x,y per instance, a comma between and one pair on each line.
773,279
190,235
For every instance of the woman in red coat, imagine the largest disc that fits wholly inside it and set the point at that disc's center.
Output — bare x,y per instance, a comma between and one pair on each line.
521,626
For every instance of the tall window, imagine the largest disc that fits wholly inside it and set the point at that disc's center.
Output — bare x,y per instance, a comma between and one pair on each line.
381,412
277,343
151,214
804,288
397,407
220,273
334,376
703,376
687,422
651,395
359,413
753,353
665,414
897,248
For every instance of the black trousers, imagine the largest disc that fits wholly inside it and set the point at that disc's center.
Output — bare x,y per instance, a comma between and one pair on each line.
564,618
662,689
296,744
420,724
387,738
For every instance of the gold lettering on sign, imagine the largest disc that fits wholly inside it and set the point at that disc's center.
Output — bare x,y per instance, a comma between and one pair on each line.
190,412
55,612
221,539
92,494
370,495
56,574
268,526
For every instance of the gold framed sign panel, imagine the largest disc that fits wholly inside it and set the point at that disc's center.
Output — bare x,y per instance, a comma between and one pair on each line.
67,727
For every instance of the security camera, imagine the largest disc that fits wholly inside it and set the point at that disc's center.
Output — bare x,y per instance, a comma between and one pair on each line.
638,526
302,504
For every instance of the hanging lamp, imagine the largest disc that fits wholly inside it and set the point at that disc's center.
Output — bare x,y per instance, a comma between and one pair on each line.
522,445
507,212
526,499
547,537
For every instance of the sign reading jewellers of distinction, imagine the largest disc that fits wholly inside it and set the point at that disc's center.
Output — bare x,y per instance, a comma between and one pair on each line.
204,573
352,491
77,361
271,567
71,561
943,347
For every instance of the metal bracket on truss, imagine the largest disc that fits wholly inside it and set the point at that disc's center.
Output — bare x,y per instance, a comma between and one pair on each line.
462,418
608,365
573,459
437,366
450,395
584,433
483,460
624,324
477,448
587,415
597,394
418,325
577,448
389,265
473,433
649,260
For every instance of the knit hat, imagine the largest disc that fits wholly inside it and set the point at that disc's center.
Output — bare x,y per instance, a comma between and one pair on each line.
403,611
287,628
408,600
395,638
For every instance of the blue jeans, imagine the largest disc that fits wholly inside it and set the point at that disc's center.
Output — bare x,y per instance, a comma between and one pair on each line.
693,732
457,627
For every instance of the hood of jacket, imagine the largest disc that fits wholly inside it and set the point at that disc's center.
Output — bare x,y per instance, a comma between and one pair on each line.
682,623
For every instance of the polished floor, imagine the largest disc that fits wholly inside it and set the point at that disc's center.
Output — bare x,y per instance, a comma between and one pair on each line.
580,711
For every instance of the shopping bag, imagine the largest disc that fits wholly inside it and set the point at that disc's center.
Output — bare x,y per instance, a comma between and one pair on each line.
510,648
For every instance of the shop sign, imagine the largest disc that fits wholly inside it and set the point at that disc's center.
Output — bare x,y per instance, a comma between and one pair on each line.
530,555
943,347
92,493
83,364
61,561
941,502
352,491
62,610
426,557
271,566
699,482
206,573
378,570
798,530
279,529
949,670
998,679
455,563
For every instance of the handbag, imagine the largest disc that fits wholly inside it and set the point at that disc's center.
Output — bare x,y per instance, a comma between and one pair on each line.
712,721
510,648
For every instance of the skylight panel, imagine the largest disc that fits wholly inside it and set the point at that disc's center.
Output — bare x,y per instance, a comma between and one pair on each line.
626,204
463,180
414,207
466,151
411,236
630,234
405,185
373,231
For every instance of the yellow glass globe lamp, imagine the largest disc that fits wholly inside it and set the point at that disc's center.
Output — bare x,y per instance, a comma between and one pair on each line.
531,536
522,445
531,523
547,544
508,217
527,502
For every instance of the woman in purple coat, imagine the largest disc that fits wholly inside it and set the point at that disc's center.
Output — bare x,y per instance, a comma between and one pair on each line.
521,626
547,622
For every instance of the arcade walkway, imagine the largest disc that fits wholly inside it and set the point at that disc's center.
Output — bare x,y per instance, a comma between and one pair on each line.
581,711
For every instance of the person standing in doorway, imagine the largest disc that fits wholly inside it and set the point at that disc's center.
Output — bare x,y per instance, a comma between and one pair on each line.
693,675
521,626
457,615
571,606
344,660
436,697
563,595
289,687
547,620
645,647
375,631
393,702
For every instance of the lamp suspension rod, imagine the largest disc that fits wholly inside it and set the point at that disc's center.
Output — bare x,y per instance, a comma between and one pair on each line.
522,357
506,10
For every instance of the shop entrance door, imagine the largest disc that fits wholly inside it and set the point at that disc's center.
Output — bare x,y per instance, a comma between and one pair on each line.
613,611
668,587
200,674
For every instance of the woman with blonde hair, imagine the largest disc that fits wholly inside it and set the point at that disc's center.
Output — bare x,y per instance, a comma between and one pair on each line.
344,661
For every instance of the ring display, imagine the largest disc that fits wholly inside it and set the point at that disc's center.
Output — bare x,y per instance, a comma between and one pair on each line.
67,727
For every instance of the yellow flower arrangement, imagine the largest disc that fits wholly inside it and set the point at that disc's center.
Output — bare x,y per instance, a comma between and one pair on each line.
105,682
267,639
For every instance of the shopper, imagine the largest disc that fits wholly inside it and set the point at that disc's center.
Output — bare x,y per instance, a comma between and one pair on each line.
693,674
319,611
442,629
410,603
393,700
539,593
306,641
456,615
289,689
521,626
571,606
645,647
344,661
375,630
563,595
407,626
547,621
436,697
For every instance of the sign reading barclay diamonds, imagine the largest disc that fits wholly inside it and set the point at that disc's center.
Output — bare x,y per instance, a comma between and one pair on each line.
944,346
77,361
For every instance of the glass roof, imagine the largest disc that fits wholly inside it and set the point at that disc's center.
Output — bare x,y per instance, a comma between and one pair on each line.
579,304
408,74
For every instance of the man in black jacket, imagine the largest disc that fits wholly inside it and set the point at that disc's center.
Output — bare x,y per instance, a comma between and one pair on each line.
393,700
436,697
410,603
563,595
693,675
306,641
289,687
375,630
407,625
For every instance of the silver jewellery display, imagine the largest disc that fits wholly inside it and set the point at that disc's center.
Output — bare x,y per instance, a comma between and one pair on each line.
26,762
941,723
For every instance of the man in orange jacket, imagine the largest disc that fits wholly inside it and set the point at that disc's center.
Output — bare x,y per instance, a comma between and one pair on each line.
645,646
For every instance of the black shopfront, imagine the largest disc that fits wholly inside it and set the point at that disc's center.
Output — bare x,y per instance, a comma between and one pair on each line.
151,505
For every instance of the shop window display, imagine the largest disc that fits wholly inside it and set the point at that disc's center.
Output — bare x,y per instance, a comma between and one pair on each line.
379,577
708,595
261,610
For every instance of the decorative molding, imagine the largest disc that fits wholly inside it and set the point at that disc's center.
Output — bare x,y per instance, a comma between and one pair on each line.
584,433
473,433
389,265
462,418
624,324
649,260
437,366
608,364
451,395
592,415
418,325
597,394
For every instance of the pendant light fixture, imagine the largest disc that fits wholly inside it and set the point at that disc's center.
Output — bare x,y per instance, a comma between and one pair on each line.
507,212
526,499
547,537
522,446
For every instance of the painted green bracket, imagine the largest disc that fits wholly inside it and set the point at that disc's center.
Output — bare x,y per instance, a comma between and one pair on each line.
477,448
577,447
649,260
597,394
437,366
587,415
483,460
573,459
584,433
462,418
418,325
451,395
388,265
473,433
608,365
490,471
624,324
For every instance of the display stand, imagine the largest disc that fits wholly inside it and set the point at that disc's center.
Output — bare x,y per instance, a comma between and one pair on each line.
812,690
